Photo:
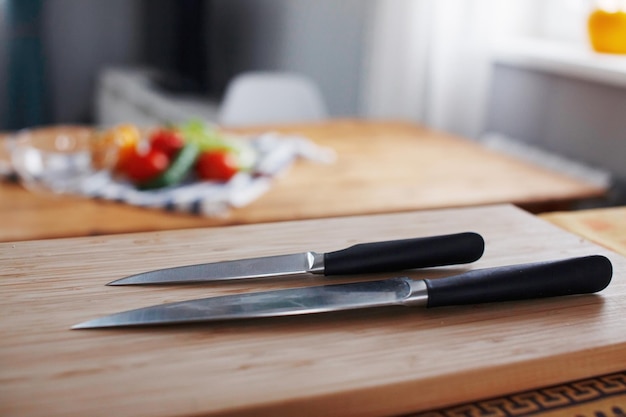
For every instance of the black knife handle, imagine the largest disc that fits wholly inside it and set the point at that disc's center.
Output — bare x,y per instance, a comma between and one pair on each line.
517,282
397,255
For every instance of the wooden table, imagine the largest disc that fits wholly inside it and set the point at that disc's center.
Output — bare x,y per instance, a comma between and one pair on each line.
604,226
367,363
381,167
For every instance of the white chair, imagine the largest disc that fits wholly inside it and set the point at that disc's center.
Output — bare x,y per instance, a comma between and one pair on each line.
271,97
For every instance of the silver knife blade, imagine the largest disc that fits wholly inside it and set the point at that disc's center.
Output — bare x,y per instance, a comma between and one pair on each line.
268,266
288,302
515,282
393,255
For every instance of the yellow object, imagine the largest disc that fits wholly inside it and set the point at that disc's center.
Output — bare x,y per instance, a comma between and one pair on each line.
125,138
607,31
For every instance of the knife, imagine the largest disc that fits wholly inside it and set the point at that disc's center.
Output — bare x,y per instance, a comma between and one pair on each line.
547,279
393,255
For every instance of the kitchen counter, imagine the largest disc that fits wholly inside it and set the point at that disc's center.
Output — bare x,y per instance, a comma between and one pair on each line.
604,226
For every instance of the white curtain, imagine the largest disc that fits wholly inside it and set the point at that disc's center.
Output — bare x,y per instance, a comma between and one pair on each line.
428,61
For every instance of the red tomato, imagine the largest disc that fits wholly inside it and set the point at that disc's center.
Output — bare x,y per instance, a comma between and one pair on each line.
140,167
167,141
216,165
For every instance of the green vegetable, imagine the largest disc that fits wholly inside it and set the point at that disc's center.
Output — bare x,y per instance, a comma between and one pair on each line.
209,139
205,137
177,171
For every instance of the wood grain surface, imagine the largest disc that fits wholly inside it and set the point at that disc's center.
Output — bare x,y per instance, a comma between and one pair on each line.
604,226
364,363
381,167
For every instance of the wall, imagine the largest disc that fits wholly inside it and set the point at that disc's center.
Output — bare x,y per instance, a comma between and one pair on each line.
80,37
3,64
323,39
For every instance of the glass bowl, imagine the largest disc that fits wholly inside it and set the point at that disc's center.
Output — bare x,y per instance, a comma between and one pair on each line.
59,159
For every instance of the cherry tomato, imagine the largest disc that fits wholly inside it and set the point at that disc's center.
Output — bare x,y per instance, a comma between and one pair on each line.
168,141
216,165
141,167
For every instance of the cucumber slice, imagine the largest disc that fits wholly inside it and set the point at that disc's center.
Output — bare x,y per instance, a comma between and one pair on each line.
177,171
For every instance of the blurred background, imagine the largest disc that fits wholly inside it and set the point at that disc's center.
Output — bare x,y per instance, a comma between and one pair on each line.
522,70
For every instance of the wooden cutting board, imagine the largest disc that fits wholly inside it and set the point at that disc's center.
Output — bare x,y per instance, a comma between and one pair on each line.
370,362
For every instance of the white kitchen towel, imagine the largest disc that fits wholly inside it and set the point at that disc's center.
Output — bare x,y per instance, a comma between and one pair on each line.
275,153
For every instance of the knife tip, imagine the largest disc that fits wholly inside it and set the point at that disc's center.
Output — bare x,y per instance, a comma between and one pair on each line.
93,324
137,279
120,282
